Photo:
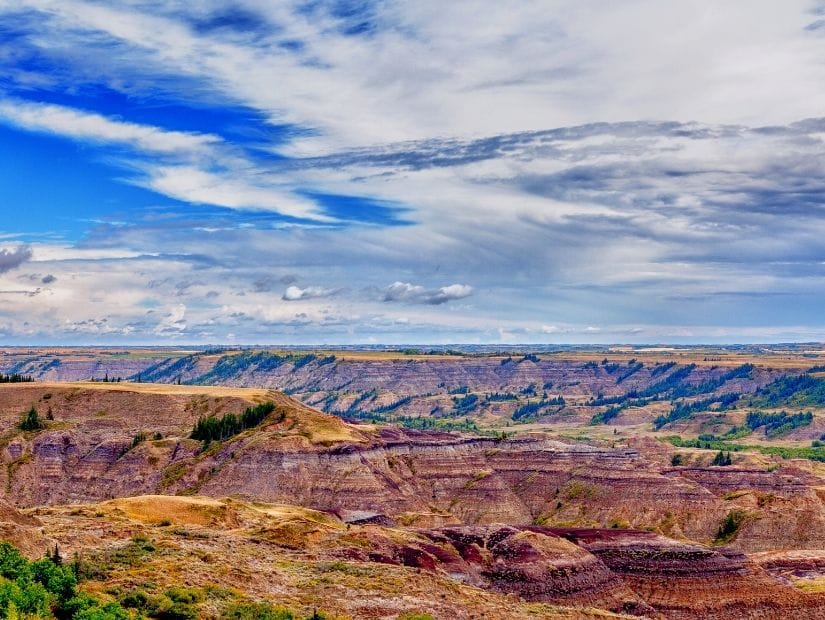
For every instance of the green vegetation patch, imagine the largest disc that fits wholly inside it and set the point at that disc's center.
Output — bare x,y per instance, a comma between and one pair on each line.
717,443
15,378
464,404
794,391
31,421
777,424
683,411
730,526
211,428
532,409
46,589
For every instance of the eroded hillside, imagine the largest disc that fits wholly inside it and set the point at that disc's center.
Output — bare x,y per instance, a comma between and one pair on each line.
522,523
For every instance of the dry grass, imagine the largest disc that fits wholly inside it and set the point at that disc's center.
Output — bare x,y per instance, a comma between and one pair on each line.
251,394
701,357
815,585
319,428
154,509
283,554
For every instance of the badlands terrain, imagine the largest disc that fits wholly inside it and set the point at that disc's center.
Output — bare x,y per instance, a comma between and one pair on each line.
588,483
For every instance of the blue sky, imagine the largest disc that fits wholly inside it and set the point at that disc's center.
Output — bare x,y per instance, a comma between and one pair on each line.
318,171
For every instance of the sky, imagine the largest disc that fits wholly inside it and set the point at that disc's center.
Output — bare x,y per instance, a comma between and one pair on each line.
485,171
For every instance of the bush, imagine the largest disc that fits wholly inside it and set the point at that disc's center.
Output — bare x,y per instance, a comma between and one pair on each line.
256,611
44,589
729,528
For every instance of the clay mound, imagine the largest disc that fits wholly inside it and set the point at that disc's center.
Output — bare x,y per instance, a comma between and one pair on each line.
305,559
90,448
536,566
684,580
171,510
124,408
227,513
23,531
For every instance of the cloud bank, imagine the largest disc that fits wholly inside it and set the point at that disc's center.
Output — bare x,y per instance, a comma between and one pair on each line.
546,171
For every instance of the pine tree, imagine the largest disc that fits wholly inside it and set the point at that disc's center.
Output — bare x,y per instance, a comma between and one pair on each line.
31,421
722,459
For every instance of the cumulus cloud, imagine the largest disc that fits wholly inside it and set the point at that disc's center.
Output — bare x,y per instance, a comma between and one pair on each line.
415,294
295,293
173,322
11,259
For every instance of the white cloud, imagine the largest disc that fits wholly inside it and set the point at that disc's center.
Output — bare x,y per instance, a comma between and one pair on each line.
294,293
82,125
415,294
513,68
226,189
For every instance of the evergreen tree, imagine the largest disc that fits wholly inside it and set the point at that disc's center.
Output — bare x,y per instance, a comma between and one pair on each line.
31,421
722,459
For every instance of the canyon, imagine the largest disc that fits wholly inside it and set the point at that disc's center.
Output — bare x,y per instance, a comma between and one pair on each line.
374,516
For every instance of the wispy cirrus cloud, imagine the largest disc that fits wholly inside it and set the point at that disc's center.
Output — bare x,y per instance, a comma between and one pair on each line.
83,125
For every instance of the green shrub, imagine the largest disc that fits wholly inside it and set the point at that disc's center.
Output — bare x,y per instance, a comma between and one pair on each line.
46,590
136,599
729,528
256,611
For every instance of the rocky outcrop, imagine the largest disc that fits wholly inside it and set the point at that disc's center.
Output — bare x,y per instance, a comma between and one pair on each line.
536,566
527,517
784,508
88,453
411,385
685,580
